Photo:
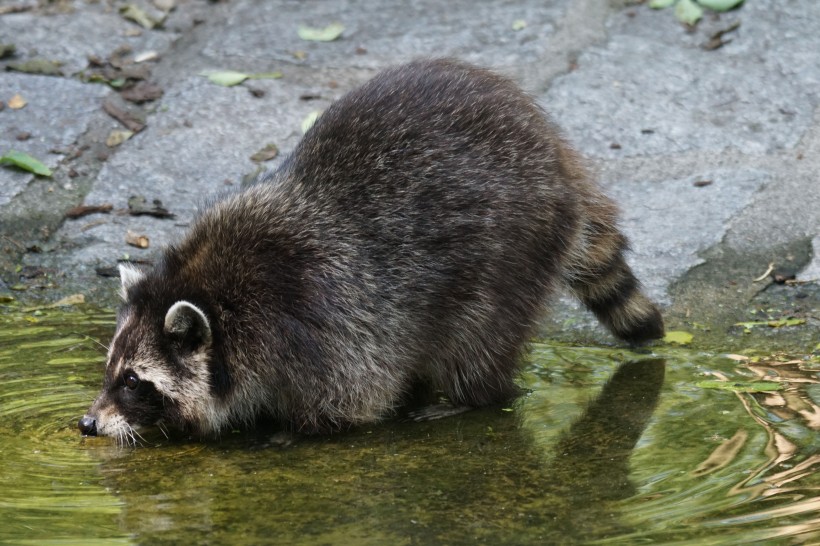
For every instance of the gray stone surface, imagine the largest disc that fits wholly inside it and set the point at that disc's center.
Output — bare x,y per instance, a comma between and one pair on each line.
712,155
56,115
652,91
481,32
187,155
670,222
70,38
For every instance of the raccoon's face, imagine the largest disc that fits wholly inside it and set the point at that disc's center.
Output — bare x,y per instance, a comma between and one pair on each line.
157,370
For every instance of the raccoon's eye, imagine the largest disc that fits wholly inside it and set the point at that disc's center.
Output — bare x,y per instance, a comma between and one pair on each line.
132,380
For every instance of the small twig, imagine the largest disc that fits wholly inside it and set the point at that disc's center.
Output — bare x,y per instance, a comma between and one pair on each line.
792,282
12,241
766,274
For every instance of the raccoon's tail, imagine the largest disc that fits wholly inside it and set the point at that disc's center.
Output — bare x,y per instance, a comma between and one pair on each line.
598,274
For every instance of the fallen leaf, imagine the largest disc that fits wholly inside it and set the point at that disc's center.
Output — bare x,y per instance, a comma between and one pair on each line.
688,12
165,5
43,67
226,78
137,240
660,4
138,206
16,102
74,299
720,5
724,454
772,323
326,34
107,271
115,138
519,24
679,337
267,153
309,120
138,15
265,76
741,386
142,92
737,358
16,9
229,78
25,162
84,210
146,56
123,116
716,40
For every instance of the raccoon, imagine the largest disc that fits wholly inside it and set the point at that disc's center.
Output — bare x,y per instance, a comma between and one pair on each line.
413,236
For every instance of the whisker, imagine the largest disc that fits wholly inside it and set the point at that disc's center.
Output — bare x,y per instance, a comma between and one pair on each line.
138,435
164,432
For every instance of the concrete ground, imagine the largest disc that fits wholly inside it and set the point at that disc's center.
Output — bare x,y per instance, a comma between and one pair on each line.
712,153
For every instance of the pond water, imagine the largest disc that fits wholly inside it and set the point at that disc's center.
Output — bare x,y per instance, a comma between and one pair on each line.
608,446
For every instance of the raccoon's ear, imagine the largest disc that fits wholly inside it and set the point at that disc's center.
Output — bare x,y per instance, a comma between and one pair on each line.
187,322
129,275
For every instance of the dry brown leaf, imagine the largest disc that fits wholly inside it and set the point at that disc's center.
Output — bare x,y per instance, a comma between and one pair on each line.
115,138
84,210
16,102
137,240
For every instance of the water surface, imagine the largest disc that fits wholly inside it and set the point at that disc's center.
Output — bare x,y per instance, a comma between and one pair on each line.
607,446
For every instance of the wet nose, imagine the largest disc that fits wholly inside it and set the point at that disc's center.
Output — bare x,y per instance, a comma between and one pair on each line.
88,426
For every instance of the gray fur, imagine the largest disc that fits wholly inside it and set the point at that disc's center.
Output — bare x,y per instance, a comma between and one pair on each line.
414,235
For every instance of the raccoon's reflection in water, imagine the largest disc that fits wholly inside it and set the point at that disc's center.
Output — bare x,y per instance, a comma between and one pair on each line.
484,475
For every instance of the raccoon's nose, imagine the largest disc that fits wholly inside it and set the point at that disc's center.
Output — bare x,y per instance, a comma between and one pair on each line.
88,426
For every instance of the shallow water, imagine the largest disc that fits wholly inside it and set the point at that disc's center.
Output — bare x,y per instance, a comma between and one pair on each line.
608,446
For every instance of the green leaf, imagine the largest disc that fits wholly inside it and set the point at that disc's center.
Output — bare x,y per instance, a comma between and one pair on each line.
226,78
265,76
136,14
660,4
309,120
327,34
688,12
44,67
772,323
25,162
679,337
519,24
720,5
735,386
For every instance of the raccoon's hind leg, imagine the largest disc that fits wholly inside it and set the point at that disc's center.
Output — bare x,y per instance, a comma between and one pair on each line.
598,274
480,371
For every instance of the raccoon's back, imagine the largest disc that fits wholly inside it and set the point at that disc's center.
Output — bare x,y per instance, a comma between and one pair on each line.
431,129
446,176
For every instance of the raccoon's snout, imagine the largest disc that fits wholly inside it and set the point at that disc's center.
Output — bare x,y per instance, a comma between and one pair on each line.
87,426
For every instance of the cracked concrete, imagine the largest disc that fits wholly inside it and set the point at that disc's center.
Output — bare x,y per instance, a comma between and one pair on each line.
712,155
